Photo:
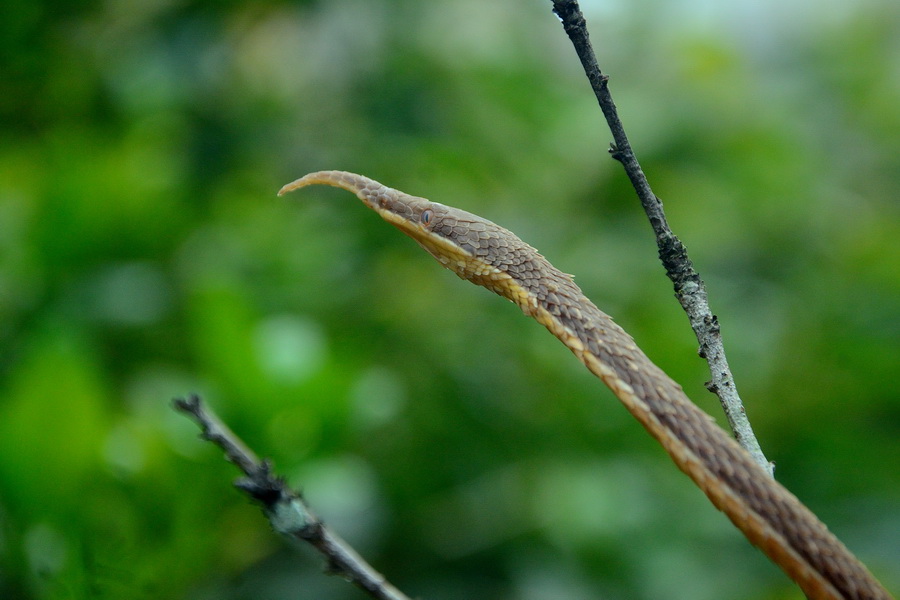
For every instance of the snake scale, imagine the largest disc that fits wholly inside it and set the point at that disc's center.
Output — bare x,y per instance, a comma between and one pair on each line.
488,255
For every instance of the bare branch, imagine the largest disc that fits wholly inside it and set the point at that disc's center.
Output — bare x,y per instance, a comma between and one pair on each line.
286,509
689,288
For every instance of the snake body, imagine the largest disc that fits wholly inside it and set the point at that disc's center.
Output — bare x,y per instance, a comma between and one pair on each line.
488,255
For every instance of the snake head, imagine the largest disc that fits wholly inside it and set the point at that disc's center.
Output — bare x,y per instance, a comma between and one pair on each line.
410,214
472,247
436,227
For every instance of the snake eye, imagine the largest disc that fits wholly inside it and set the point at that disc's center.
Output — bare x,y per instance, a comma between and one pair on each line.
426,217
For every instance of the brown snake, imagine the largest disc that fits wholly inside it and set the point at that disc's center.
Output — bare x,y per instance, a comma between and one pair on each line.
769,515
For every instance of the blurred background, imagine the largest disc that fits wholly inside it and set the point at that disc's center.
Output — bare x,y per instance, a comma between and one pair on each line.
456,444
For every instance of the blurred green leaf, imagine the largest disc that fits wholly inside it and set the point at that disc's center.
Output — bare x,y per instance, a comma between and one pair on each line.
144,255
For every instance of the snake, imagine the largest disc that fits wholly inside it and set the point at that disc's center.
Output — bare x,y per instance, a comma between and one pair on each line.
770,516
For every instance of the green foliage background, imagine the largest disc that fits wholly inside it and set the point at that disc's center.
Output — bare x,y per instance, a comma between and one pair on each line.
144,255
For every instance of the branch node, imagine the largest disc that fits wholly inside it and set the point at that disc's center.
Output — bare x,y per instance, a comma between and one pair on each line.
615,153
262,486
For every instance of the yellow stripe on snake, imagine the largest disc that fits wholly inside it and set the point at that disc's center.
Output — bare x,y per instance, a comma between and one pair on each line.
488,255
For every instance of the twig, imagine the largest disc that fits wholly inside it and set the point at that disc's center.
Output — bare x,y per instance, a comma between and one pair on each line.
689,288
286,510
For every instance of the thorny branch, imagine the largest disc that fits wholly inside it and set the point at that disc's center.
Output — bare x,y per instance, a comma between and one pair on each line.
286,509
689,288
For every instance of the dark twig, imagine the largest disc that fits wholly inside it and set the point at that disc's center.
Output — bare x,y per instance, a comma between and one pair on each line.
286,510
689,288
